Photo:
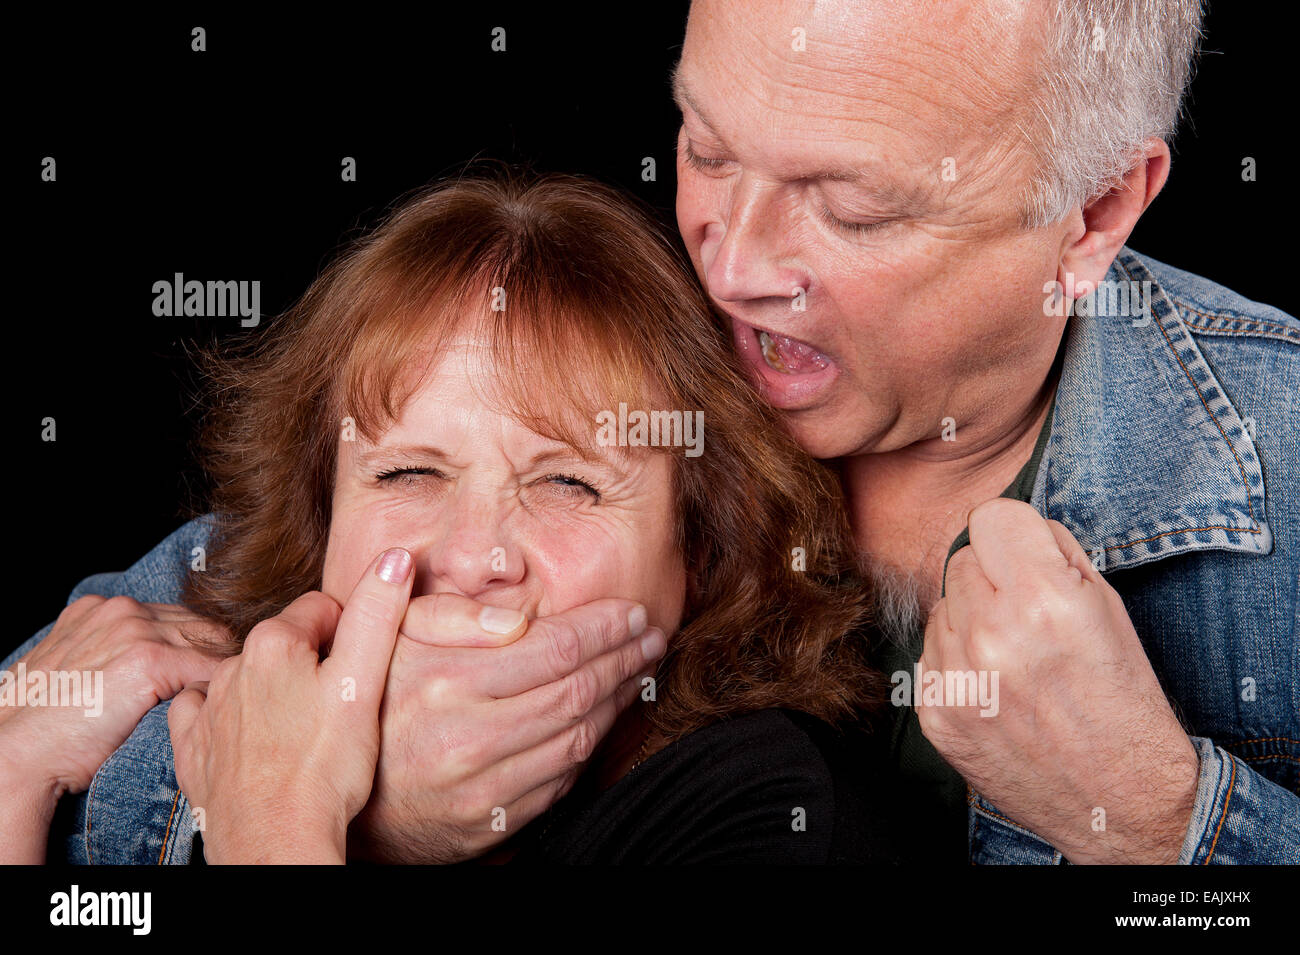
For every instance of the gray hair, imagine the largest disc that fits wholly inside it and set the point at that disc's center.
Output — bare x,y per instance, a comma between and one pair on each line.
1114,74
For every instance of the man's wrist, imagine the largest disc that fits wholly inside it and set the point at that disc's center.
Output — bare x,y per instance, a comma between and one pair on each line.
1155,837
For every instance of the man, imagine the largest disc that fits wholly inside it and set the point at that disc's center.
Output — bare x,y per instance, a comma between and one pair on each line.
896,203
893,202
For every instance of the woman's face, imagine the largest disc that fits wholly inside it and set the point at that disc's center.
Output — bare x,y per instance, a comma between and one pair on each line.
499,513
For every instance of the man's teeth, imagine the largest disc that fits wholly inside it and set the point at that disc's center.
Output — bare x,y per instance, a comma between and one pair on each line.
771,354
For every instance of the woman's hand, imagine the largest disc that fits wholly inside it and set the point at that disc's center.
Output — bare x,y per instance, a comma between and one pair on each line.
127,657
279,751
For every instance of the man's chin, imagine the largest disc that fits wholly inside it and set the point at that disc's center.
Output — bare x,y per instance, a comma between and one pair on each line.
823,433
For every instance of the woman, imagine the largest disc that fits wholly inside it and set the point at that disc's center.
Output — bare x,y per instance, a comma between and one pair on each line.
446,412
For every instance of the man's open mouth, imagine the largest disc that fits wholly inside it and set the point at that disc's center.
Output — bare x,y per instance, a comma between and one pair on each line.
791,373
788,355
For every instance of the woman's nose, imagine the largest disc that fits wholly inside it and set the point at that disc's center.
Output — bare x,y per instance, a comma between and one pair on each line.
474,550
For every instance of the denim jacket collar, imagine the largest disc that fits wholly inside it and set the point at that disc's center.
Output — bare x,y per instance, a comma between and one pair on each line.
1110,473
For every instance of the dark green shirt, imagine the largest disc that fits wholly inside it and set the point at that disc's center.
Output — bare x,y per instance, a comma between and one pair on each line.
937,791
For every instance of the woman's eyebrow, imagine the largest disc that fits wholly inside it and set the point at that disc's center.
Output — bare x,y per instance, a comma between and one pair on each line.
385,452
570,455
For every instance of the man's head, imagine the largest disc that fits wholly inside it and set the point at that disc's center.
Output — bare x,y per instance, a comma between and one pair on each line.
877,192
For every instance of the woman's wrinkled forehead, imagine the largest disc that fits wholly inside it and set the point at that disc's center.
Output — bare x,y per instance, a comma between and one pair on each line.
560,387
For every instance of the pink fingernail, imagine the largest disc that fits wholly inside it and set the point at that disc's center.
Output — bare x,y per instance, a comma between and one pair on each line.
394,566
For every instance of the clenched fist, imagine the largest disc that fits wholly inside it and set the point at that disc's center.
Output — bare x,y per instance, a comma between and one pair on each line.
1081,722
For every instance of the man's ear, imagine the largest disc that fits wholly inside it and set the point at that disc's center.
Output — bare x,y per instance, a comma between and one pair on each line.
1108,220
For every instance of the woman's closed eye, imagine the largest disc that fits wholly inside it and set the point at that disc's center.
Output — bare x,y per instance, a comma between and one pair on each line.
566,485
571,485
407,475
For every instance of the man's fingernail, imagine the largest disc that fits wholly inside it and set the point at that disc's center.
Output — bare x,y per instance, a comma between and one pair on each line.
653,644
499,619
394,566
636,621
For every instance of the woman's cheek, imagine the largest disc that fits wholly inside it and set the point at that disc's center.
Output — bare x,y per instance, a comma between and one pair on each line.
356,537
575,569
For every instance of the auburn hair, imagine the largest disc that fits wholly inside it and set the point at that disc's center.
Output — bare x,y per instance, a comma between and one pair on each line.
600,306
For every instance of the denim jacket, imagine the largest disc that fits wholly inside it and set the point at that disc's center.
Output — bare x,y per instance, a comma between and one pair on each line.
1173,448
1173,457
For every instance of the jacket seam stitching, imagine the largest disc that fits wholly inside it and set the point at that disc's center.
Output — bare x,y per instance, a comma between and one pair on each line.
90,808
970,799
975,816
1286,330
1184,530
1261,739
167,834
1232,779
1192,381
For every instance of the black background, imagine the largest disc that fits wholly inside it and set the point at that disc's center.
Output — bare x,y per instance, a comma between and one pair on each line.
226,165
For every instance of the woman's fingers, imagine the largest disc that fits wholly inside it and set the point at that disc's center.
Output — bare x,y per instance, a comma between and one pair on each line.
172,669
185,708
367,629
181,717
182,627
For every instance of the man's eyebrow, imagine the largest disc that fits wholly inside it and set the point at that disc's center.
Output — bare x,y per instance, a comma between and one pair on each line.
908,201
912,200
684,100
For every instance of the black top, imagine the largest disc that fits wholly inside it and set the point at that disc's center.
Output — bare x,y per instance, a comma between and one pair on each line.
773,786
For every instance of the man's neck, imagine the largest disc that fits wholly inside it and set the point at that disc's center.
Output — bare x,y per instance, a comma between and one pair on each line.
908,505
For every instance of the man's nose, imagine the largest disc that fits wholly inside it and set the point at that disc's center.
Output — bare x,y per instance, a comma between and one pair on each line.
745,252
475,551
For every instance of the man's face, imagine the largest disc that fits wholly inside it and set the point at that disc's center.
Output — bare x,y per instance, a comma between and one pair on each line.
849,184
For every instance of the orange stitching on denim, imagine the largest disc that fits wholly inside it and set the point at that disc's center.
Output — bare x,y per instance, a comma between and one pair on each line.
1263,739
1227,799
1211,330
1240,467
995,814
1185,530
90,802
1255,759
974,836
167,834
1213,417
1218,316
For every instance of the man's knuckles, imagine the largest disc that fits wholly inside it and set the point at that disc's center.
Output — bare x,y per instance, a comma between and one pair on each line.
563,643
576,694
